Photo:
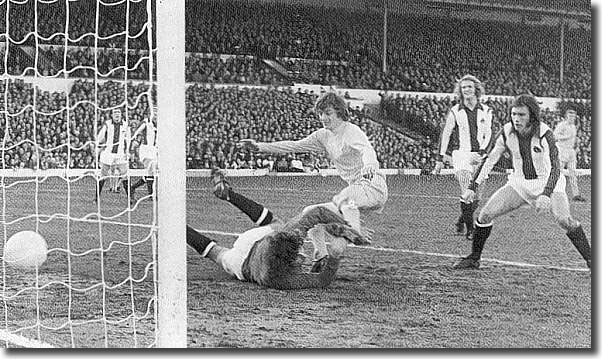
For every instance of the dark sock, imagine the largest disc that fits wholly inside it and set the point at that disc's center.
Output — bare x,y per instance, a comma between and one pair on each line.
579,240
149,184
196,240
479,236
468,210
465,207
101,184
258,213
125,183
461,218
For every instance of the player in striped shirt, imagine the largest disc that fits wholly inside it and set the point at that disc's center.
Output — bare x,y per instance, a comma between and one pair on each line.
114,141
271,254
536,180
566,140
471,120
147,154
347,146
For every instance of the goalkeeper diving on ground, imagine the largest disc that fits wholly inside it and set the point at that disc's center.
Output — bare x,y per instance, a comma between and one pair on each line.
271,254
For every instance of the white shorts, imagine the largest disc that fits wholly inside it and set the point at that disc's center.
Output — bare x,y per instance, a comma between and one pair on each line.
147,152
234,257
465,161
567,156
529,190
110,159
365,194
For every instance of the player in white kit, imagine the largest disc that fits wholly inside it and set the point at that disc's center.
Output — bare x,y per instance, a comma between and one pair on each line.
472,120
147,154
566,140
347,146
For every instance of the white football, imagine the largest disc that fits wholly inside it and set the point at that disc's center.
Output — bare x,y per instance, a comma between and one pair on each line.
25,250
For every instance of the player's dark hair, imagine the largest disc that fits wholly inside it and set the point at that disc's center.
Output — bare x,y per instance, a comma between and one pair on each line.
565,106
331,99
283,248
531,103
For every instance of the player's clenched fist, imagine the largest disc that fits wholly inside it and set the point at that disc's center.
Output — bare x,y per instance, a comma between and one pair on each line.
249,144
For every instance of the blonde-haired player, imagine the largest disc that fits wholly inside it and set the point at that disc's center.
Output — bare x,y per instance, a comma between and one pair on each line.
347,146
147,154
114,141
472,120
566,140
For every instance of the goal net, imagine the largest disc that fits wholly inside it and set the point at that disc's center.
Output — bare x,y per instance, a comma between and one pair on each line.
66,66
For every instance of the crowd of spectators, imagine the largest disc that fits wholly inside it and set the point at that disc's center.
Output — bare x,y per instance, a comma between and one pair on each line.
344,48
327,46
330,46
216,120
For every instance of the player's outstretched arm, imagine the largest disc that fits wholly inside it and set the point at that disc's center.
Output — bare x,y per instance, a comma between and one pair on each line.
310,143
307,219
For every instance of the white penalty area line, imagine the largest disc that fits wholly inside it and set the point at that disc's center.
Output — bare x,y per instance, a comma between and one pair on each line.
433,254
22,341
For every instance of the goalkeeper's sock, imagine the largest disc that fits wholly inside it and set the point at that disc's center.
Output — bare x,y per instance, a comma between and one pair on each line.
199,242
579,240
479,237
256,212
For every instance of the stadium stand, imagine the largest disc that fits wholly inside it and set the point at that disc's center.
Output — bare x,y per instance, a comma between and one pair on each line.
292,43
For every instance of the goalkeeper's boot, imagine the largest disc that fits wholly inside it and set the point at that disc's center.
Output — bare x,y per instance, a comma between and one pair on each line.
221,187
468,263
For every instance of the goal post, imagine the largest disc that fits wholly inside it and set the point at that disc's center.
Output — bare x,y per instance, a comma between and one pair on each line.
171,185
115,273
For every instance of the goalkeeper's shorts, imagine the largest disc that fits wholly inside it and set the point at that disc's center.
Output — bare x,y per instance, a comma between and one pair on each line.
233,259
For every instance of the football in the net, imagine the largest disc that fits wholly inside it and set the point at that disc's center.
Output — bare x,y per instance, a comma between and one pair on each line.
25,250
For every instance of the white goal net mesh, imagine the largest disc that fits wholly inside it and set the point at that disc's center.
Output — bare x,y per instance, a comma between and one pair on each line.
65,65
